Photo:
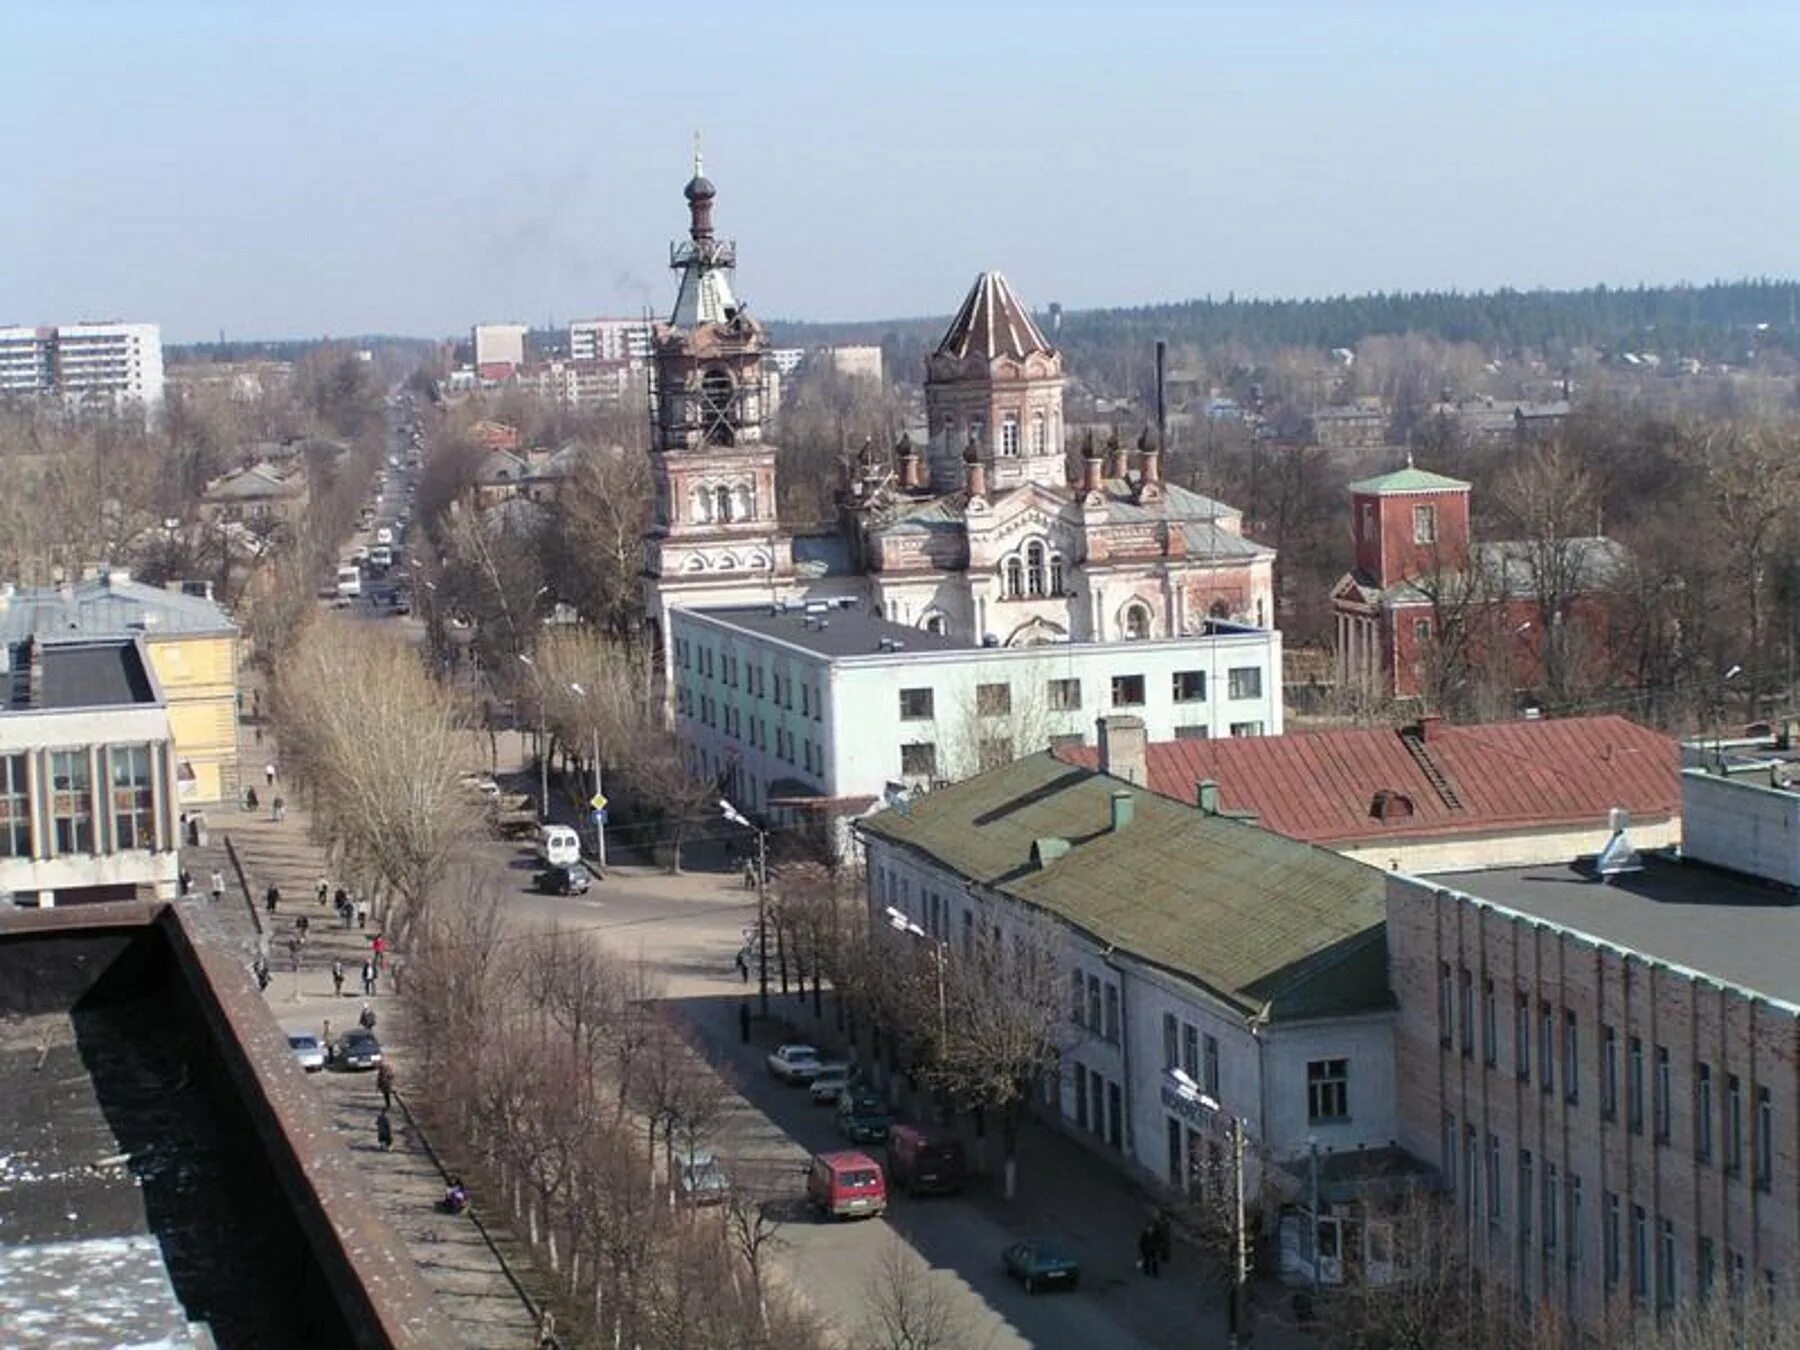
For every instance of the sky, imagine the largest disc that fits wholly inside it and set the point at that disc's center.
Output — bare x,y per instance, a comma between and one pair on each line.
269,169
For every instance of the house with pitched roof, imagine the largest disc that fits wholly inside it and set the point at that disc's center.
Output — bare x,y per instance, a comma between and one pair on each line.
259,495
1216,971
1430,796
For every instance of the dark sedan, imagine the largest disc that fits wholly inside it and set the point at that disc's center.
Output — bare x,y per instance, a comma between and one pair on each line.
571,880
357,1050
863,1117
1038,1263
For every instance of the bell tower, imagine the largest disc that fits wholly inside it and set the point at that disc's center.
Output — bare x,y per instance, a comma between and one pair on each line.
714,474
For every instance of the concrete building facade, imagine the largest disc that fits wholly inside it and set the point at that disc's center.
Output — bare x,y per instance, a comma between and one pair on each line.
87,365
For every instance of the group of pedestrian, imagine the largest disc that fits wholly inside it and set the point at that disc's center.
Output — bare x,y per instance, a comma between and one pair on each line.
1155,1245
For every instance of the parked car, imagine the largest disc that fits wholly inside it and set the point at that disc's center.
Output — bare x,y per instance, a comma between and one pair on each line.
559,846
307,1051
1039,1263
926,1162
794,1063
698,1179
357,1049
829,1082
846,1185
862,1116
561,880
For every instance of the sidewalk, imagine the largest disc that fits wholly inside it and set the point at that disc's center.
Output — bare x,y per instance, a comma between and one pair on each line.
465,1277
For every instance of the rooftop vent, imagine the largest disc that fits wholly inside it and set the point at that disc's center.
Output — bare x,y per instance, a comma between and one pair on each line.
1046,851
1122,805
1618,857
1390,805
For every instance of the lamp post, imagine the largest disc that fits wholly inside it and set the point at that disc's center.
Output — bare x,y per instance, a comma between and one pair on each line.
599,811
1188,1090
901,922
737,817
543,746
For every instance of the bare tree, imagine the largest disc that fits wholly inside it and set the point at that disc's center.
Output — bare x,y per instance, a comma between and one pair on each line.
910,1307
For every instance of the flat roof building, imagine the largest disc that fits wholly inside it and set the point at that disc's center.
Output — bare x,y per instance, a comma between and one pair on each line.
87,365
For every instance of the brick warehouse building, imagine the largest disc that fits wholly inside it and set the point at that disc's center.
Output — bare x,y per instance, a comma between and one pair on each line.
1604,1068
1422,593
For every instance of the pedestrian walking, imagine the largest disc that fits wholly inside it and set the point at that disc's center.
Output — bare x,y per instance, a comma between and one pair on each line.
744,1023
251,799
368,979
185,880
325,1036
1147,1250
347,914
367,1018
324,891
378,949
278,810
384,1080
362,913
259,733
269,773
394,972
546,1332
384,1131
743,967
293,946
273,897
260,969
749,874
343,898
337,978
302,925
218,884
1165,1240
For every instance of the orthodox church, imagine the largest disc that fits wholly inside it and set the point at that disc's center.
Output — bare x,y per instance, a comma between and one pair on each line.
991,532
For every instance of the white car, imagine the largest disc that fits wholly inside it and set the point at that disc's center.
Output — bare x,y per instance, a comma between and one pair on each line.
829,1083
794,1063
307,1051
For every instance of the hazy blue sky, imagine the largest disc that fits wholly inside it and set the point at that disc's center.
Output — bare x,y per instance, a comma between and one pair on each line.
277,168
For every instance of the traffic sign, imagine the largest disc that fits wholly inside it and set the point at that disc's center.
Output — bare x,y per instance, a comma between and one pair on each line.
598,801
597,817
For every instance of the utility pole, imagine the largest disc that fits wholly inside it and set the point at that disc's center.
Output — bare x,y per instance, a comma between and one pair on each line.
600,813
762,922
1240,1240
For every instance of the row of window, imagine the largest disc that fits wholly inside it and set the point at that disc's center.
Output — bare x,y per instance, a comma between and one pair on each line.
730,721
1032,571
1099,1106
991,700
1457,1022
1042,430
1094,1005
126,809
725,667
1548,1219
1195,1053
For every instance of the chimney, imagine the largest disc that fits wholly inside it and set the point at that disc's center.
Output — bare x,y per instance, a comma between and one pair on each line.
1431,725
1122,740
1091,469
977,480
1117,456
1122,802
1206,796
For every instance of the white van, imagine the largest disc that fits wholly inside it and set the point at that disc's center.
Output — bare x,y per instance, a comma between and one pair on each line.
349,582
381,556
559,846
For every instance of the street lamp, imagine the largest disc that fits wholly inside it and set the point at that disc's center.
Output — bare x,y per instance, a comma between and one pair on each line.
1188,1090
543,740
737,817
901,922
598,801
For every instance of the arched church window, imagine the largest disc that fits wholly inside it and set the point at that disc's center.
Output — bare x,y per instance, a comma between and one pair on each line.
1137,622
1034,568
716,390
1015,578
934,623
703,504
743,502
722,496
1040,443
1056,575
1009,435
949,432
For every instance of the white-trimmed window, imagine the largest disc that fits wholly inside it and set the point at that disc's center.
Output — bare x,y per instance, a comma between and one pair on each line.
1040,438
1034,568
133,800
1137,622
1424,524
1009,435
15,808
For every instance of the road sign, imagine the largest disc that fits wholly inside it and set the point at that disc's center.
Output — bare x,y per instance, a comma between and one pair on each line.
598,801
597,817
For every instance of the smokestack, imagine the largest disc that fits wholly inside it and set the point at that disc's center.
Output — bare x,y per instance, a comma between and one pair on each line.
1123,743
1162,393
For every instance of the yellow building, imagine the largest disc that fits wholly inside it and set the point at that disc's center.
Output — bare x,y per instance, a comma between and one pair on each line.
193,648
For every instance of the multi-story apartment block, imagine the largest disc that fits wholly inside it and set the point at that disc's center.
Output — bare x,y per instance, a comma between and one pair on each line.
610,340
87,365
1602,1059
819,708
88,806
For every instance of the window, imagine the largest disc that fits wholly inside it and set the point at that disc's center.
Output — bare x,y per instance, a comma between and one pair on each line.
915,705
1171,1042
806,700
1552,1216
1663,1089
1527,1196
1424,524
1609,1073
1471,1172
993,700
722,495
1015,579
1634,1087
1128,691
1081,1096
1522,1036
1640,1254
1137,623
1734,1125
993,751
1246,728
1703,1112
15,808
1112,1013
1328,1089
935,624
1490,1023
1209,1062
72,801
1190,1051
1009,435
1065,695
1465,1010
1093,1008
1546,1048
1244,682
1447,1149
1574,1190
1610,1238
1665,1264
1192,731
1444,1003
1494,1178
1705,1264
1571,1059
978,433
918,760
1034,568
1190,686
1039,440
1421,631
1765,1140
968,935
1056,574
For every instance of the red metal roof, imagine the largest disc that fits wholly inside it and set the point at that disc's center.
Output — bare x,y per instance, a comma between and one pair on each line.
1320,786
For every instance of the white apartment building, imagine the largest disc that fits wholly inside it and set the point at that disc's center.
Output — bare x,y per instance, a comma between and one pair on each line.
88,365
88,801
496,345
609,340
1214,971
820,707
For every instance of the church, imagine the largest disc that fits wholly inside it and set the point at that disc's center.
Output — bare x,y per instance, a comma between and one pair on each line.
990,534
